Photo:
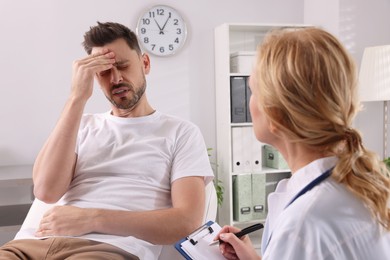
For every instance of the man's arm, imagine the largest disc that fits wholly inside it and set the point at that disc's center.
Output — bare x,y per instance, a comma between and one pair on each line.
164,226
54,166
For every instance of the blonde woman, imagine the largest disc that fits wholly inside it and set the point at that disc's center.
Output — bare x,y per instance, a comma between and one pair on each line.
304,99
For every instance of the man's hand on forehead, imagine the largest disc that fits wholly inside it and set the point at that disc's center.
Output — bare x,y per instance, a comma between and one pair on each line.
97,51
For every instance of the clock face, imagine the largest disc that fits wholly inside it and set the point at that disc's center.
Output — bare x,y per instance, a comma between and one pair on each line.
161,30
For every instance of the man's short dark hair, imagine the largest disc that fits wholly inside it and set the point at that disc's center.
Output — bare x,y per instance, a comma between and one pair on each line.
105,33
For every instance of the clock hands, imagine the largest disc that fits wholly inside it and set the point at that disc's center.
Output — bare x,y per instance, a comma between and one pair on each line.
159,27
165,23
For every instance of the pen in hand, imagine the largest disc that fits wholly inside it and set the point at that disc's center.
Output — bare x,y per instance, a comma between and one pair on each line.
241,233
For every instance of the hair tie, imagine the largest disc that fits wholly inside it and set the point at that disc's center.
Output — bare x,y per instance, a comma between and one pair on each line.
352,138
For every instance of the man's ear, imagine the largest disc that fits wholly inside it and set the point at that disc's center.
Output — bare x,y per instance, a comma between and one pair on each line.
146,62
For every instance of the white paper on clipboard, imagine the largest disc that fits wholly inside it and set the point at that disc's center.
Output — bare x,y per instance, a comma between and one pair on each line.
197,246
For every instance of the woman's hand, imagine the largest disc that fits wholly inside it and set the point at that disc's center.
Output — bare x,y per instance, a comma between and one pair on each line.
234,247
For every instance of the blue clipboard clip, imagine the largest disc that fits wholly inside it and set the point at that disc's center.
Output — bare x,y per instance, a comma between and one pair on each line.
200,233
194,237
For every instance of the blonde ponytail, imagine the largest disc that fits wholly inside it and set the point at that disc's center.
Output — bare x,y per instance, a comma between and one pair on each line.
365,176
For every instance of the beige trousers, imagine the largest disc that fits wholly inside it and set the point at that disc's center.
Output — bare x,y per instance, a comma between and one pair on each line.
60,248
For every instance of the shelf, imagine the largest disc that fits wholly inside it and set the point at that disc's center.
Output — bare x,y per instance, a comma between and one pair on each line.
236,74
241,124
264,170
10,229
16,185
16,175
244,224
231,38
13,214
16,197
273,170
255,27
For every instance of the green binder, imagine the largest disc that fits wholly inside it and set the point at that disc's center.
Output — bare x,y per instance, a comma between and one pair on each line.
242,197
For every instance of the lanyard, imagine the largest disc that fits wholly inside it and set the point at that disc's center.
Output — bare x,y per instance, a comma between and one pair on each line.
308,187
311,185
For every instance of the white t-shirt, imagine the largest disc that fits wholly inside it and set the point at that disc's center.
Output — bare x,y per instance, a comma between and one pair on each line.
130,164
327,222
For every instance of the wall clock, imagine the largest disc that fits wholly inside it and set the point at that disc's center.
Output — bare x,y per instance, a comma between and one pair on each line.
161,30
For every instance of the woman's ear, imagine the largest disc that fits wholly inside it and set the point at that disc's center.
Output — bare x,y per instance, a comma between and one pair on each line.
272,127
277,119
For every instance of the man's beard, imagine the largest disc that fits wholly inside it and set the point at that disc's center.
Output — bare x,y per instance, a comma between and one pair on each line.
125,103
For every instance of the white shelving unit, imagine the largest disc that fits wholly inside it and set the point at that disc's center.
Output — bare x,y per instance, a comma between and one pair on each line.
16,196
232,38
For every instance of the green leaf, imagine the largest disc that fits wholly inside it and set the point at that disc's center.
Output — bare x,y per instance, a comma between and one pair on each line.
217,183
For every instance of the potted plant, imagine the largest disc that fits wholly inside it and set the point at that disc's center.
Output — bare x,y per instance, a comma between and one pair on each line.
217,183
387,162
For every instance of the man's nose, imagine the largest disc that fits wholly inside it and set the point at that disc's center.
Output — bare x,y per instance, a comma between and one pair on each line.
116,76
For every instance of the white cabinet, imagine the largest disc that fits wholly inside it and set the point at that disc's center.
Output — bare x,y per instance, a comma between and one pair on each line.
239,155
16,197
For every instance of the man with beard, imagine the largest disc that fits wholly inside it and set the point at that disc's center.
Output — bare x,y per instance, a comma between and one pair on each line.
124,180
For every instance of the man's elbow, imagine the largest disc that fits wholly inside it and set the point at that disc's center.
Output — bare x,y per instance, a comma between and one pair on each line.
191,224
46,195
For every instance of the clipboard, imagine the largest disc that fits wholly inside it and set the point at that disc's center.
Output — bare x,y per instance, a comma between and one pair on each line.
196,245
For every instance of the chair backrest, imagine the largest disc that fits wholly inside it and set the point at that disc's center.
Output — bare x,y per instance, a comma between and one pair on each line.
38,208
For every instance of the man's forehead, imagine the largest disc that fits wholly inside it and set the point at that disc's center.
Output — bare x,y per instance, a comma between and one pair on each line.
122,52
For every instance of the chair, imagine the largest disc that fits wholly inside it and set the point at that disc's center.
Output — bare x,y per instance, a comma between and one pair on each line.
38,208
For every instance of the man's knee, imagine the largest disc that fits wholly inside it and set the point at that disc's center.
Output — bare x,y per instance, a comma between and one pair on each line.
23,249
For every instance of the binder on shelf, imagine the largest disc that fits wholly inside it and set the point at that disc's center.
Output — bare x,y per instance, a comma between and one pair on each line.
243,145
273,159
247,98
259,198
255,152
238,99
237,150
242,197
196,246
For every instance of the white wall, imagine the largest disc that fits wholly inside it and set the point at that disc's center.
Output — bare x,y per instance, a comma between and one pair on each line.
358,24
41,38
371,27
